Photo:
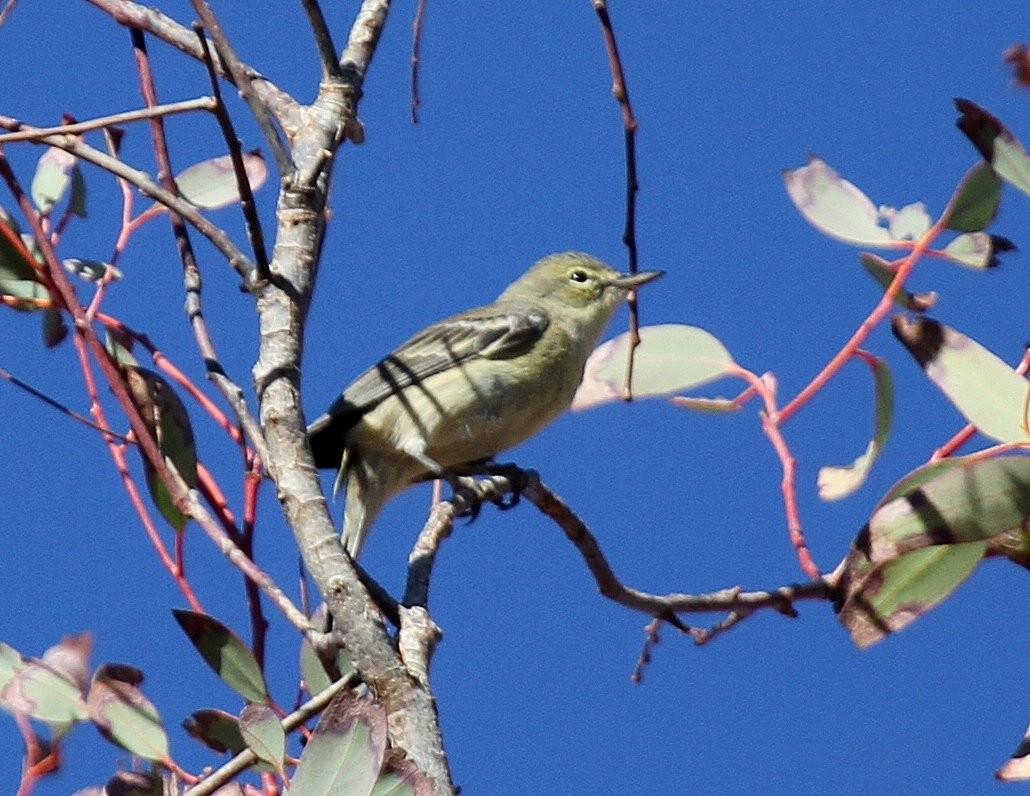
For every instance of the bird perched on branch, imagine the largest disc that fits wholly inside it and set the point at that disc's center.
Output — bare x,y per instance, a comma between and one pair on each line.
468,387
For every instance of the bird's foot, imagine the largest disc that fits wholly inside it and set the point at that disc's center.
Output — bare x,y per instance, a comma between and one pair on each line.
502,487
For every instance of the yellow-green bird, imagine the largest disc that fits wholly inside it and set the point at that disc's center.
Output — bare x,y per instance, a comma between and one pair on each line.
468,387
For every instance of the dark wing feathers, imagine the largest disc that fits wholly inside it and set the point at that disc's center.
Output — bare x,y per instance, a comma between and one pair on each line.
490,332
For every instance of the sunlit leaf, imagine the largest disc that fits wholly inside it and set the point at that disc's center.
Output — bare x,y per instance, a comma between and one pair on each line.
995,143
986,390
52,179
972,500
38,691
1017,767
264,734
345,753
124,716
226,653
975,203
91,270
211,184
834,206
839,482
881,271
165,416
909,223
70,658
883,598
670,358
977,249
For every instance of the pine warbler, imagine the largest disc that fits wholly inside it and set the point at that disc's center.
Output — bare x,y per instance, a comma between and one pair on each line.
468,387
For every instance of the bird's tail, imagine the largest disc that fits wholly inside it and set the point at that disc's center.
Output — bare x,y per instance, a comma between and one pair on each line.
370,482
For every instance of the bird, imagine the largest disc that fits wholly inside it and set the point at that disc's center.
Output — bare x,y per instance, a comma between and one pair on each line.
468,387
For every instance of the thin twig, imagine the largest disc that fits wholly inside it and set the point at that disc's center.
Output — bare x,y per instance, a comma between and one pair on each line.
232,142
141,114
244,84
323,39
55,404
218,237
418,26
620,89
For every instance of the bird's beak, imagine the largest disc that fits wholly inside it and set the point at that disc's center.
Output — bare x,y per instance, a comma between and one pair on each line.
631,281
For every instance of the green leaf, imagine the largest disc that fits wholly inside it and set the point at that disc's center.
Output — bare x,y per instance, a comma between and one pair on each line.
38,691
977,250
226,653
123,715
839,482
883,598
670,358
986,390
345,752
263,732
18,275
971,500
974,205
92,270
995,143
833,205
316,678
881,271
216,729
52,179
212,184
168,422
840,210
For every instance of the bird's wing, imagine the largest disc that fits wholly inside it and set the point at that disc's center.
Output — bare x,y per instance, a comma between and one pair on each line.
489,332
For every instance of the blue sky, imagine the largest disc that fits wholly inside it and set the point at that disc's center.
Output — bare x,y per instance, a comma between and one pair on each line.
519,154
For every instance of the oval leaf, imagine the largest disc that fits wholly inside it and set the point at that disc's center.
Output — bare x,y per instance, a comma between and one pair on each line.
996,144
226,653
670,358
833,205
44,694
264,734
216,729
165,416
52,179
975,202
883,598
212,184
345,753
123,715
973,499
986,390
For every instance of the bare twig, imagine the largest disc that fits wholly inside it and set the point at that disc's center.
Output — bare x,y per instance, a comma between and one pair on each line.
54,403
141,114
667,606
417,26
232,142
629,122
146,185
242,79
323,39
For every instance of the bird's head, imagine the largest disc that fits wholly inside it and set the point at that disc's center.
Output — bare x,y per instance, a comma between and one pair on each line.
576,280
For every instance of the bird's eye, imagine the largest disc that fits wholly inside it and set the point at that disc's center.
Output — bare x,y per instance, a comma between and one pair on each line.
578,275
